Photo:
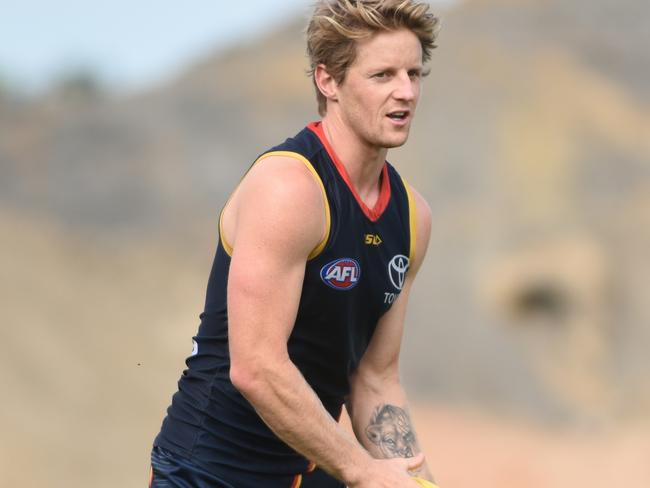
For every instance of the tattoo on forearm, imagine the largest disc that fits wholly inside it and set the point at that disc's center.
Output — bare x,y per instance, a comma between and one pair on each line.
390,429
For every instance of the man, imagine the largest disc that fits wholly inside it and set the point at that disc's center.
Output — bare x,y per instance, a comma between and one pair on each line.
319,246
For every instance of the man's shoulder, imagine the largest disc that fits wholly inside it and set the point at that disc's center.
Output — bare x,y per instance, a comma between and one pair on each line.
421,204
279,206
290,166
283,173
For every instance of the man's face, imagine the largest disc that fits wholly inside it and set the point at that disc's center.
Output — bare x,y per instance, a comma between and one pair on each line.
378,96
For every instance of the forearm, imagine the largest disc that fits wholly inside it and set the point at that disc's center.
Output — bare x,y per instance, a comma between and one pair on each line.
290,407
381,420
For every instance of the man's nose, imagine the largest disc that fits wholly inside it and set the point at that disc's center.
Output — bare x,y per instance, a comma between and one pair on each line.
405,89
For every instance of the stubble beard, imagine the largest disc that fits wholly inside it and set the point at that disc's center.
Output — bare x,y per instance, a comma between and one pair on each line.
393,137
388,142
382,138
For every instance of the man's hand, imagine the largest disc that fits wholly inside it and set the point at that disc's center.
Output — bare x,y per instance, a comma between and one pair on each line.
390,473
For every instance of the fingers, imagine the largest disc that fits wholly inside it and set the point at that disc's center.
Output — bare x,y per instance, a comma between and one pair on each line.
415,463
395,472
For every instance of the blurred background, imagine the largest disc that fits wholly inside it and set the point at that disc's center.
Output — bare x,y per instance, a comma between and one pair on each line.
124,127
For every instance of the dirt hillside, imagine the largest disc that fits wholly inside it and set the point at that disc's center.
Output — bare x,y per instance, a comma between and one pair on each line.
526,343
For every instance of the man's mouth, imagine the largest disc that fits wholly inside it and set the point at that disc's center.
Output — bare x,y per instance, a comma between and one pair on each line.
399,116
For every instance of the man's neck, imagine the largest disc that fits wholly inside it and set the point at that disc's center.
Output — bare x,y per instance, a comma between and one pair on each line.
362,161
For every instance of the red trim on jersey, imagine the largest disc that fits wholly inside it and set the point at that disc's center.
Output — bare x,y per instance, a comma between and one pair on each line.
384,193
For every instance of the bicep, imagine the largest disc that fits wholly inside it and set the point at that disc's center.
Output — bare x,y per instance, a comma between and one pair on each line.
272,239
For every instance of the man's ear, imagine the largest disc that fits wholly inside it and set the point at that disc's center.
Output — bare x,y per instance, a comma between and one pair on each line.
374,433
326,83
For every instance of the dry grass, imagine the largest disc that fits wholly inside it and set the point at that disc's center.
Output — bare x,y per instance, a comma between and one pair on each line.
467,450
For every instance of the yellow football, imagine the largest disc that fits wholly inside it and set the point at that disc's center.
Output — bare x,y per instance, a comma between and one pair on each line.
425,483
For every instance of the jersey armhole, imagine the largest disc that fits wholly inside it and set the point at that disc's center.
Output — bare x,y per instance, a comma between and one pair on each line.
328,220
413,221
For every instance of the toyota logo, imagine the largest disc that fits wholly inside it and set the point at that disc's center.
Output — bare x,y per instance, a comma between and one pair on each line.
397,269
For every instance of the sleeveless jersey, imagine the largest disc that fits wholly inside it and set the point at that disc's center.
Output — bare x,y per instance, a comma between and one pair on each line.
351,279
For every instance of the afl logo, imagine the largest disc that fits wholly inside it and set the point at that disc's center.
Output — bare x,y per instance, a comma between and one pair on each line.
342,274
397,269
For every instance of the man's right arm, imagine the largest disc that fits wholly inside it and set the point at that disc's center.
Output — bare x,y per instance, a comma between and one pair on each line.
274,221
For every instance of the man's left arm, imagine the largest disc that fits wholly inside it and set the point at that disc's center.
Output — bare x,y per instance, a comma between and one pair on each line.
377,404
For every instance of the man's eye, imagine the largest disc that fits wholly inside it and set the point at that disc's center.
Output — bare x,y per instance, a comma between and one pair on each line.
389,441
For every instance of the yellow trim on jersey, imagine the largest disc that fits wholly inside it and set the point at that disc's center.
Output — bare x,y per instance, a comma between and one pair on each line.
328,219
413,221
225,244
297,481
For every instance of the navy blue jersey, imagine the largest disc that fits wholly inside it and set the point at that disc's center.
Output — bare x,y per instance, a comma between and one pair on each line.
351,279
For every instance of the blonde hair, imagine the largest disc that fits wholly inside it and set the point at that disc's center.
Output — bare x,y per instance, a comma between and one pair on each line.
336,25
